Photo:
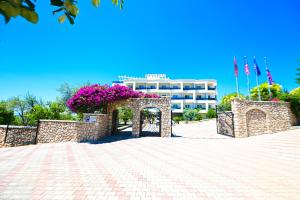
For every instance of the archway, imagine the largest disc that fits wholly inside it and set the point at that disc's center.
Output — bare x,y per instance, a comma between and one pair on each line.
122,118
150,122
256,122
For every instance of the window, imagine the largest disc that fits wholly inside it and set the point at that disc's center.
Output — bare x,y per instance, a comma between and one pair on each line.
187,106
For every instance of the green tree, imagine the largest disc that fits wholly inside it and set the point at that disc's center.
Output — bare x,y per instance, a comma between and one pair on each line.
190,114
125,114
211,113
66,91
6,115
227,99
294,99
38,112
298,76
276,91
20,107
26,8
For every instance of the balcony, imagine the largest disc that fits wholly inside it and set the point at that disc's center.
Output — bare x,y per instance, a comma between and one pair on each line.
176,107
151,87
199,88
116,82
211,88
181,98
201,98
164,88
189,88
141,88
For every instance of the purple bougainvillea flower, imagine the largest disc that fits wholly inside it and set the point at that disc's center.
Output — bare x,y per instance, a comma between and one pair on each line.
96,97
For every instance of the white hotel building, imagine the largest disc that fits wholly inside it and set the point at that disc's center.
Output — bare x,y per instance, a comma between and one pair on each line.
185,93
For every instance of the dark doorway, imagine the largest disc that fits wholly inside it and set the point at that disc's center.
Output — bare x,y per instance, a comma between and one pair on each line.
150,122
122,121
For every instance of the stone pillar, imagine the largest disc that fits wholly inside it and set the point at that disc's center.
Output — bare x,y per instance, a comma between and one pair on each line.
101,122
136,129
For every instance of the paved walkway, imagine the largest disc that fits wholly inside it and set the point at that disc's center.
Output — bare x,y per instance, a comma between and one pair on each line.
263,167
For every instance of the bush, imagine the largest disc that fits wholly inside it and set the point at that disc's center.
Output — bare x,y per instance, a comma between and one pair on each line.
294,99
211,113
199,117
177,119
190,114
6,115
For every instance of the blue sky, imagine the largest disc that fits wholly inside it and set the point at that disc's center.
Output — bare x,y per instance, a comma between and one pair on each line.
184,39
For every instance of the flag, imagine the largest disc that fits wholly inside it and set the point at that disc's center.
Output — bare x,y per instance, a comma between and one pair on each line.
256,68
247,71
270,79
236,69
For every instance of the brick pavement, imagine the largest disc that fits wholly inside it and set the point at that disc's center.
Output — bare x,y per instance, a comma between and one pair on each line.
262,167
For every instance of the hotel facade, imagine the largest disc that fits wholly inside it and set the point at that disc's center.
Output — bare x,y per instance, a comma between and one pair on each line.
184,93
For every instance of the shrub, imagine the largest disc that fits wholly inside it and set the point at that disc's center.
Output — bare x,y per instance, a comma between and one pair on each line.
190,114
211,113
6,115
177,119
199,117
294,99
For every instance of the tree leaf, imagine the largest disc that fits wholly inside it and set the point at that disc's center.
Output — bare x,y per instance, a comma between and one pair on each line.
6,18
70,18
29,15
30,4
96,3
62,19
8,9
116,2
58,10
57,3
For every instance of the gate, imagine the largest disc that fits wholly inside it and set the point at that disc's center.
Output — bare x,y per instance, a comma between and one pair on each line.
150,122
225,122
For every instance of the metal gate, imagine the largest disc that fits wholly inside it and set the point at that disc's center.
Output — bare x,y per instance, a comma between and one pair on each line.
225,122
150,123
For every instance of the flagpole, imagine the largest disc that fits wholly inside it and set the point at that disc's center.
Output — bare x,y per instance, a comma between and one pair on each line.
259,97
269,88
237,86
236,71
257,73
248,82
247,74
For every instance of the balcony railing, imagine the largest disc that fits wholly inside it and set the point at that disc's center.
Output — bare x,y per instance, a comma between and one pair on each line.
181,98
176,107
141,88
201,98
211,88
206,98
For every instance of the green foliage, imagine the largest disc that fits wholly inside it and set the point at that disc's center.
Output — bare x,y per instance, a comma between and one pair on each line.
6,115
26,9
298,76
225,104
294,99
177,119
199,117
211,113
125,114
276,91
190,114
29,110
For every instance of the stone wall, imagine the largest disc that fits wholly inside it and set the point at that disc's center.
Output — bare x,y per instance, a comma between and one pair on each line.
260,117
53,131
17,135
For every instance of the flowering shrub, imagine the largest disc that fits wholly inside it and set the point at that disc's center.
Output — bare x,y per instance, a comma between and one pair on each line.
96,97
